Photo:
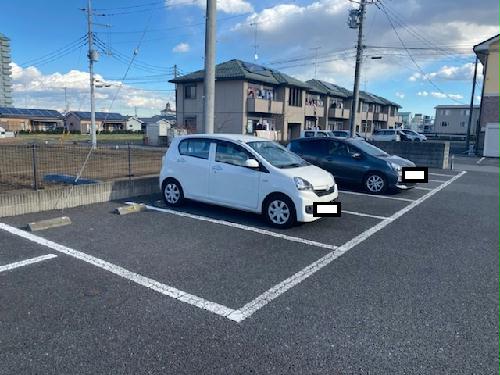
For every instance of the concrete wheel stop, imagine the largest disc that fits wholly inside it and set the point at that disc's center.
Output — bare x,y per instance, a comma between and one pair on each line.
49,223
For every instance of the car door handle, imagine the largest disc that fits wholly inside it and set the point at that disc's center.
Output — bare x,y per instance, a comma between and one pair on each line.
181,160
216,168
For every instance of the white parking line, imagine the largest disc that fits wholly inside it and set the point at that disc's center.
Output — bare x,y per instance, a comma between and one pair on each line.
242,227
440,181
277,290
480,160
131,276
422,188
441,174
376,196
26,262
364,215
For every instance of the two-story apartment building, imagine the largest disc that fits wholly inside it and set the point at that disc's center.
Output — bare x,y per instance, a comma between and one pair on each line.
250,97
454,119
488,52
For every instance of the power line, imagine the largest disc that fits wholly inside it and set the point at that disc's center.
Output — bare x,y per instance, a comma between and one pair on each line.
381,6
56,54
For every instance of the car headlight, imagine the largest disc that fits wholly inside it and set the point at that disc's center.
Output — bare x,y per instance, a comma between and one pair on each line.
394,166
302,184
332,176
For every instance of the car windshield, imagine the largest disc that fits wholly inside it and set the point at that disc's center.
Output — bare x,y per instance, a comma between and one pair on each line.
277,155
368,148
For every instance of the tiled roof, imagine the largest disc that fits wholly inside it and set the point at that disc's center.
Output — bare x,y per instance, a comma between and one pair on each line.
329,88
241,70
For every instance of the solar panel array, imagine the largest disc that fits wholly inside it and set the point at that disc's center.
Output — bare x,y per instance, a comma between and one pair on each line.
25,112
100,116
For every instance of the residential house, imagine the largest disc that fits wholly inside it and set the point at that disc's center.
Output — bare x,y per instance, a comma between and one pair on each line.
23,119
454,119
487,52
105,121
133,124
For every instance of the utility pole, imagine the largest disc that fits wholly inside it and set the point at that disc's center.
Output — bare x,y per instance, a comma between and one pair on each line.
315,49
176,71
209,83
360,14
471,108
92,55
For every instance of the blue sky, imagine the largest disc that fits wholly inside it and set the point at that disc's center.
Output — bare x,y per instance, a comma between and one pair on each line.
298,37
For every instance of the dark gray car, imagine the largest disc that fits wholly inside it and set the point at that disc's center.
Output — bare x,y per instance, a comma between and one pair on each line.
354,161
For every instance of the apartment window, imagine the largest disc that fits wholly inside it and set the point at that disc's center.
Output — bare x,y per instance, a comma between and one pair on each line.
377,108
365,107
444,124
295,98
466,112
462,124
190,92
445,112
393,111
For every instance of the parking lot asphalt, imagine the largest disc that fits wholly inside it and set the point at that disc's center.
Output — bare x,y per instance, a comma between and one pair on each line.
406,283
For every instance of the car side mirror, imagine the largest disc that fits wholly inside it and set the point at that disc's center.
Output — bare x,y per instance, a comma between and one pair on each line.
356,156
252,163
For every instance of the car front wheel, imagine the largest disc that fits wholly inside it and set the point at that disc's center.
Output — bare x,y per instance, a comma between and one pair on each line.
375,183
279,211
172,193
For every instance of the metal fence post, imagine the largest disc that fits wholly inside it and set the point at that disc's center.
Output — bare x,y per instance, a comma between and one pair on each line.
129,161
35,172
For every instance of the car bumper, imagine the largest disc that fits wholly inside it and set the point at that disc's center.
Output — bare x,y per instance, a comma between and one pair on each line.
305,201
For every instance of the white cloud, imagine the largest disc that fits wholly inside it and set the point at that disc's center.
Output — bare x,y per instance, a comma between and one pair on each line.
440,95
400,95
226,6
422,93
181,48
463,72
36,90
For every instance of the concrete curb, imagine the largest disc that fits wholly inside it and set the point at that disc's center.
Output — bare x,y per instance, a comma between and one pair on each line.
50,223
23,202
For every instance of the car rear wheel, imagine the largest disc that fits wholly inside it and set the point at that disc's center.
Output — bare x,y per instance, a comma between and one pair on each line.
279,211
173,194
375,183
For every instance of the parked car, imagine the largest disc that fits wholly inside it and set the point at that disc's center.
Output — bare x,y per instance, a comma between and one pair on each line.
316,133
328,133
413,135
354,161
344,134
246,173
386,135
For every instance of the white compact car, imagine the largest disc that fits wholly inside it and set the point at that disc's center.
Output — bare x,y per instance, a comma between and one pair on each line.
386,135
246,173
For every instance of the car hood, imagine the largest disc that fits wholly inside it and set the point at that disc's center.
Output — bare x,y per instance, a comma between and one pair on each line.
319,178
399,161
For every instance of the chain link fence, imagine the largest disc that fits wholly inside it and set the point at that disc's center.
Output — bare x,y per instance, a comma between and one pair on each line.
43,166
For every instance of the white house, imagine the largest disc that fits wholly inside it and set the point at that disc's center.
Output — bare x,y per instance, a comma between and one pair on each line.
133,124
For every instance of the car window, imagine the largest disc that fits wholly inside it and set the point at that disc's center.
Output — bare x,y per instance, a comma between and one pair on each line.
377,132
321,134
198,148
230,153
309,134
314,147
337,149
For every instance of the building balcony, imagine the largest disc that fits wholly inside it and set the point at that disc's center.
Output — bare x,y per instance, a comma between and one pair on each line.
379,116
342,113
264,106
314,111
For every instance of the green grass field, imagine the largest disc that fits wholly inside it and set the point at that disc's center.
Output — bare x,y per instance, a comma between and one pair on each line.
56,138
